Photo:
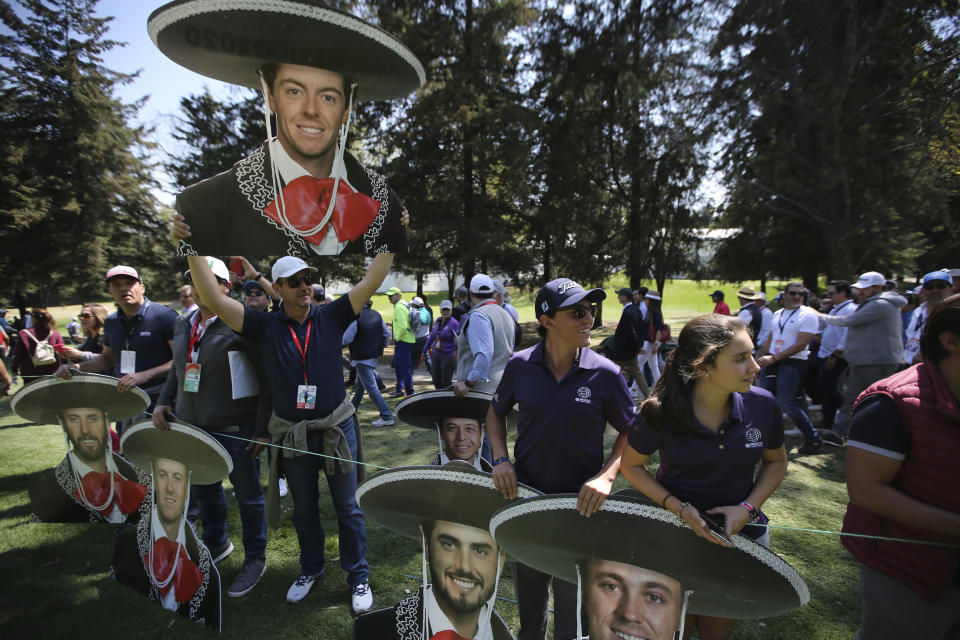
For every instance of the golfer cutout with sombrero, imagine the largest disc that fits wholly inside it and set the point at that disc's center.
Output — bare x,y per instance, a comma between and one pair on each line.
161,557
447,509
457,421
641,569
301,193
92,483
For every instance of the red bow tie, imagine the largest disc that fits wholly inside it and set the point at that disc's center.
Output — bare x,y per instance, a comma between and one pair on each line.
307,199
188,577
127,495
449,634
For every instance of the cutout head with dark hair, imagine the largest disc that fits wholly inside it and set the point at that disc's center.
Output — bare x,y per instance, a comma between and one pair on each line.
161,557
92,483
301,193
458,422
447,509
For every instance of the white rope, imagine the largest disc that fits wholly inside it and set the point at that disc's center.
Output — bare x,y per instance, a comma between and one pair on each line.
683,611
579,603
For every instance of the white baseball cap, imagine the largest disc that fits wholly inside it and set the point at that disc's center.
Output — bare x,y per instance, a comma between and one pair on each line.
216,265
446,304
481,283
287,266
869,279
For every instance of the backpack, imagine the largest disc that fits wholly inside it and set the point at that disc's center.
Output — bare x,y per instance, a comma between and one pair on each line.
44,353
415,320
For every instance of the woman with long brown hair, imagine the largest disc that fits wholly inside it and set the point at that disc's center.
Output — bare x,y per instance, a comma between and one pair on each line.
711,427
25,359
91,317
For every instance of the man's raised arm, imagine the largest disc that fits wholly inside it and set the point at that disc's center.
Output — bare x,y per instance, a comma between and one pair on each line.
225,307
364,290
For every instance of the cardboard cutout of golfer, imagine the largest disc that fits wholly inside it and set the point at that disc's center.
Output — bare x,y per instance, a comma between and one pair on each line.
641,569
92,483
447,509
301,193
161,557
458,423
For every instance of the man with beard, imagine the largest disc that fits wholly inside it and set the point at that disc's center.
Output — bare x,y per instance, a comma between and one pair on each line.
161,557
447,509
88,485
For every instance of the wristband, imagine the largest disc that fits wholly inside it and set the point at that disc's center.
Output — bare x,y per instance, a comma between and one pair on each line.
499,460
258,276
471,384
754,514
664,503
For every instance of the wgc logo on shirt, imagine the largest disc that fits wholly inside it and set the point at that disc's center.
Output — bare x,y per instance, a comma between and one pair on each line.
583,395
753,437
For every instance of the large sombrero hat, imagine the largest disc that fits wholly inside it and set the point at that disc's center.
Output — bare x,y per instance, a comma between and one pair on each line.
401,499
41,401
230,40
745,581
427,408
204,457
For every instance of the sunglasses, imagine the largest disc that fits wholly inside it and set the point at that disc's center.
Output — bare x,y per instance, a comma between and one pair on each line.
936,284
793,293
256,293
295,281
580,311
85,315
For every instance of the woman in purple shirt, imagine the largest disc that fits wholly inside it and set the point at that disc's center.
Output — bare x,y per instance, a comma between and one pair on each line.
442,346
711,427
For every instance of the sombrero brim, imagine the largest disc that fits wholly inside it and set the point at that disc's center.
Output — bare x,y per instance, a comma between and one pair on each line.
427,408
204,457
746,581
41,401
230,40
403,498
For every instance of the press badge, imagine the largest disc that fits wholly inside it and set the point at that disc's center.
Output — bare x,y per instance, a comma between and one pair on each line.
778,346
306,396
191,377
128,361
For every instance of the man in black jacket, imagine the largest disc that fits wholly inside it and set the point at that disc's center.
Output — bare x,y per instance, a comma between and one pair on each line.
628,341
367,336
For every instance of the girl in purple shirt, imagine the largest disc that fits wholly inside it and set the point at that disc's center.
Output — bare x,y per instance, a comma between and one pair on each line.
442,346
711,428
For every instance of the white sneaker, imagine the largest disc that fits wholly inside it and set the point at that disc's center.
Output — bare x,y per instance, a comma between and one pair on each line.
362,598
793,433
380,422
283,487
301,587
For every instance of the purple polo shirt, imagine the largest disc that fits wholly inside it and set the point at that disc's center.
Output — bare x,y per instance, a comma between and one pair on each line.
560,432
281,361
712,469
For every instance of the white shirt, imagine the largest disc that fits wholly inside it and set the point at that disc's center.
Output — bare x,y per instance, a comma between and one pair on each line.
81,469
787,324
834,337
766,326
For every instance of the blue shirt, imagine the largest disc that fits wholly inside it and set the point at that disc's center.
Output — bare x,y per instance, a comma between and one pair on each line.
560,431
281,361
147,333
480,337
712,469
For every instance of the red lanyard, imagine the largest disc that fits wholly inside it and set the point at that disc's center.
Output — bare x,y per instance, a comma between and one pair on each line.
302,348
196,333
485,303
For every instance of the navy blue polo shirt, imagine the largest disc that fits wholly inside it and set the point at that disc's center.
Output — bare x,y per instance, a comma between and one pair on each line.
712,469
281,361
148,333
560,431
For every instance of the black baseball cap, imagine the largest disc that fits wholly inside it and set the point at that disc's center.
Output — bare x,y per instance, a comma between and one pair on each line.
564,292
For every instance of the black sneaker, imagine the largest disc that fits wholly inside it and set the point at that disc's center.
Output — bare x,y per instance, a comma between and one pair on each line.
250,574
811,447
219,553
833,438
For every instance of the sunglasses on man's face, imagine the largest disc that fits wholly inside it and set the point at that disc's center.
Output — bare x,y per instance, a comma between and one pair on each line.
936,284
580,311
85,315
794,293
295,281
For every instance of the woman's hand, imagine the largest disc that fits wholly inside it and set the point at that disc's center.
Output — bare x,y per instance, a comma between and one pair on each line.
736,517
692,517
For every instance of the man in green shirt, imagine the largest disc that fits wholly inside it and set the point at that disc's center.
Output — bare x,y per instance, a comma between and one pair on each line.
404,341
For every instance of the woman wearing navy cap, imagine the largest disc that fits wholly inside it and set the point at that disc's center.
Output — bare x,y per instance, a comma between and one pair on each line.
711,427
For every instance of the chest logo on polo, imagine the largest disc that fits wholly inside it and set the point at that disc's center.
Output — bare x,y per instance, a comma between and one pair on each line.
753,438
583,395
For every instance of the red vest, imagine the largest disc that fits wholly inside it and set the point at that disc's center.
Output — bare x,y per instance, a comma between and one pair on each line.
929,474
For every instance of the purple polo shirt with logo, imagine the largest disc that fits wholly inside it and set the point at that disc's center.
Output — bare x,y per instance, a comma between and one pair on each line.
712,469
560,432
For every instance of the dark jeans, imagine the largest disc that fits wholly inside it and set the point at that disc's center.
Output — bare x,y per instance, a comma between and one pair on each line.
533,599
784,380
249,492
830,390
403,363
367,381
442,371
302,476
419,355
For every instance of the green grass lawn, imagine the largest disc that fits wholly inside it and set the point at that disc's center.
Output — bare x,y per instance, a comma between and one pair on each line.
56,580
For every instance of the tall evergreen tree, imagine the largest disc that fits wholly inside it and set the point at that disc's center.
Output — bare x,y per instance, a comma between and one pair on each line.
75,187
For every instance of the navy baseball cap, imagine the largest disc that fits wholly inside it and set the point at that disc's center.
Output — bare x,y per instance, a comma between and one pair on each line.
250,285
564,292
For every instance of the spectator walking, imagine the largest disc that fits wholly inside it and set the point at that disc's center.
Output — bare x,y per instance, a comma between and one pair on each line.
420,321
874,343
485,342
366,337
650,355
73,330
442,346
750,313
628,343
403,340
766,327
720,307
36,352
